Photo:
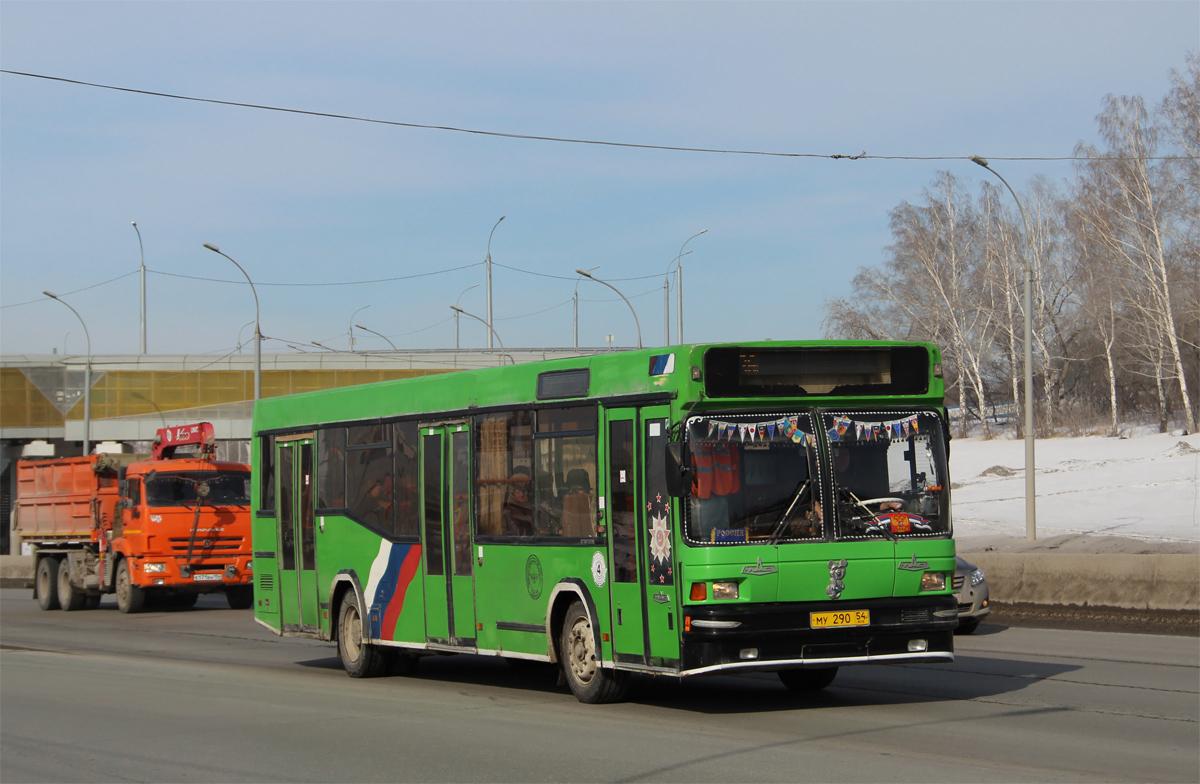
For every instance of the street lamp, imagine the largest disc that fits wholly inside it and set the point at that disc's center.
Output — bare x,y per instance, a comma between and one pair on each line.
257,324
373,332
679,282
1030,494
587,274
87,378
460,295
575,299
489,282
143,252
667,299
351,329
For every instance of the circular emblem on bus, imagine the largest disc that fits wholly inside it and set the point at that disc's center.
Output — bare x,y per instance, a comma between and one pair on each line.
599,569
533,577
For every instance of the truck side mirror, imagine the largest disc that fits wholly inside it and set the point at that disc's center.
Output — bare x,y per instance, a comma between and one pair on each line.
679,474
123,488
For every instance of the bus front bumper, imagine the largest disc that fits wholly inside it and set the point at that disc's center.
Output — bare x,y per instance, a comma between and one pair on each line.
781,636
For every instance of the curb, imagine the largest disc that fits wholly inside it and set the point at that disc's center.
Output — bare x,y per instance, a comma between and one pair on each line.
1133,582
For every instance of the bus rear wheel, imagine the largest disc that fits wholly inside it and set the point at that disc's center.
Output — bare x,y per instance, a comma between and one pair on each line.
68,598
46,585
589,682
808,680
360,658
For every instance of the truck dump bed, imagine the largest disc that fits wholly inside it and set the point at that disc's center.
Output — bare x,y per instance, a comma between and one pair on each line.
66,497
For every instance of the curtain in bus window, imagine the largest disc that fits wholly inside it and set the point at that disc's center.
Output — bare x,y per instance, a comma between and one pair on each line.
460,526
370,485
503,466
331,468
407,482
889,471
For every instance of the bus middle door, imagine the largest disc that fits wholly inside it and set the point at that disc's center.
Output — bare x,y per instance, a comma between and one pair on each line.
446,532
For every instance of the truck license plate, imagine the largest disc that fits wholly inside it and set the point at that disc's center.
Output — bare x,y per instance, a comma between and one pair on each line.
826,620
207,578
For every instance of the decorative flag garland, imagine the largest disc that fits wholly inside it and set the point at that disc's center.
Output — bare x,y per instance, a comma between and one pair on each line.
844,428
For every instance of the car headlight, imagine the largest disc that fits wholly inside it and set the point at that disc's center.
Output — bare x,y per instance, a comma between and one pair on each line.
728,590
154,567
933,581
976,577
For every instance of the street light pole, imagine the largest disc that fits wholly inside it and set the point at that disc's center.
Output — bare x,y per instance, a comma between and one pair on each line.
1030,491
667,298
351,329
87,378
489,283
587,274
143,253
373,332
457,309
257,324
679,282
460,296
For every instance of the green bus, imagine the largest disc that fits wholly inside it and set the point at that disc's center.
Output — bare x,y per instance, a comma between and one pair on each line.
773,506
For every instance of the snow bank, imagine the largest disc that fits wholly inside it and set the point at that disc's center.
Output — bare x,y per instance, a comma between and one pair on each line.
1145,487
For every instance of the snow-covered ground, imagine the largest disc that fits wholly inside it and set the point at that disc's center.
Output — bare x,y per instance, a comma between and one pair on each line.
1145,487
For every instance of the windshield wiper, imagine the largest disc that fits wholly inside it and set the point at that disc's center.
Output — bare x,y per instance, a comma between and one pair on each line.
777,534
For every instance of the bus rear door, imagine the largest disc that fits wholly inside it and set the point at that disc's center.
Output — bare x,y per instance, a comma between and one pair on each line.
297,552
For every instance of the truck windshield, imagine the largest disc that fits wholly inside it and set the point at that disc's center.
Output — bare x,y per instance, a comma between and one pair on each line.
889,473
184,488
755,480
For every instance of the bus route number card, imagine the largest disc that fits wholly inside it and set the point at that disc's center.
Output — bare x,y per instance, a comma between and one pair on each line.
828,620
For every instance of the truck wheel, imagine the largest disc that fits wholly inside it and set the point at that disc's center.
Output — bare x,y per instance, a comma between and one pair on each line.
68,598
46,585
360,658
808,680
130,598
240,597
589,682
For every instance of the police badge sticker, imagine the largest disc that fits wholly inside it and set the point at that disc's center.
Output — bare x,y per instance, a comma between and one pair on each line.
599,569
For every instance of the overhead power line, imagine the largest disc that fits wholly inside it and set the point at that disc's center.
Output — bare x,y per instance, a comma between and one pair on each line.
335,283
76,291
560,139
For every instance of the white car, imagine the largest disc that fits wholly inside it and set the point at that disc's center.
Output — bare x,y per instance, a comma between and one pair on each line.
971,587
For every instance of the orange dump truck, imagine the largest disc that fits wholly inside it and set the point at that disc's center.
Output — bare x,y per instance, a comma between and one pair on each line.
163,528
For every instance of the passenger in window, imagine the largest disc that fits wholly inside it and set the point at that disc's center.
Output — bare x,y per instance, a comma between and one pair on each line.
517,514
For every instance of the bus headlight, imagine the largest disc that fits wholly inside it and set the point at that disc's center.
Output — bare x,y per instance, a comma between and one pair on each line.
933,581
728,590
154,567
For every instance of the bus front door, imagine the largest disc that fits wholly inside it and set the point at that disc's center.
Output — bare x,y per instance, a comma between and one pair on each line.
297,551
446,535
643,592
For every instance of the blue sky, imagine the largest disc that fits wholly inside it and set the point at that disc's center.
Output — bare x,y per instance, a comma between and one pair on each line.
299,199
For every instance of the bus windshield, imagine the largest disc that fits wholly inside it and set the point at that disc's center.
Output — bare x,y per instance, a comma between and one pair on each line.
755,480
183,488
889,473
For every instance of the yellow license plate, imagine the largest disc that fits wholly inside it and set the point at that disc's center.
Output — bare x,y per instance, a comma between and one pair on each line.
827,620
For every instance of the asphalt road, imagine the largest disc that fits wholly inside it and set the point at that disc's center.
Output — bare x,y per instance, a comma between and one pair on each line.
207,695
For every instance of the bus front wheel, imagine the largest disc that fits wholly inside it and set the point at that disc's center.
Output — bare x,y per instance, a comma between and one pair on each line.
808,680
360,658
589,682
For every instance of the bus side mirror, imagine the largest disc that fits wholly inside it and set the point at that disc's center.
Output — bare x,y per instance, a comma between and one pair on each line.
679,474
